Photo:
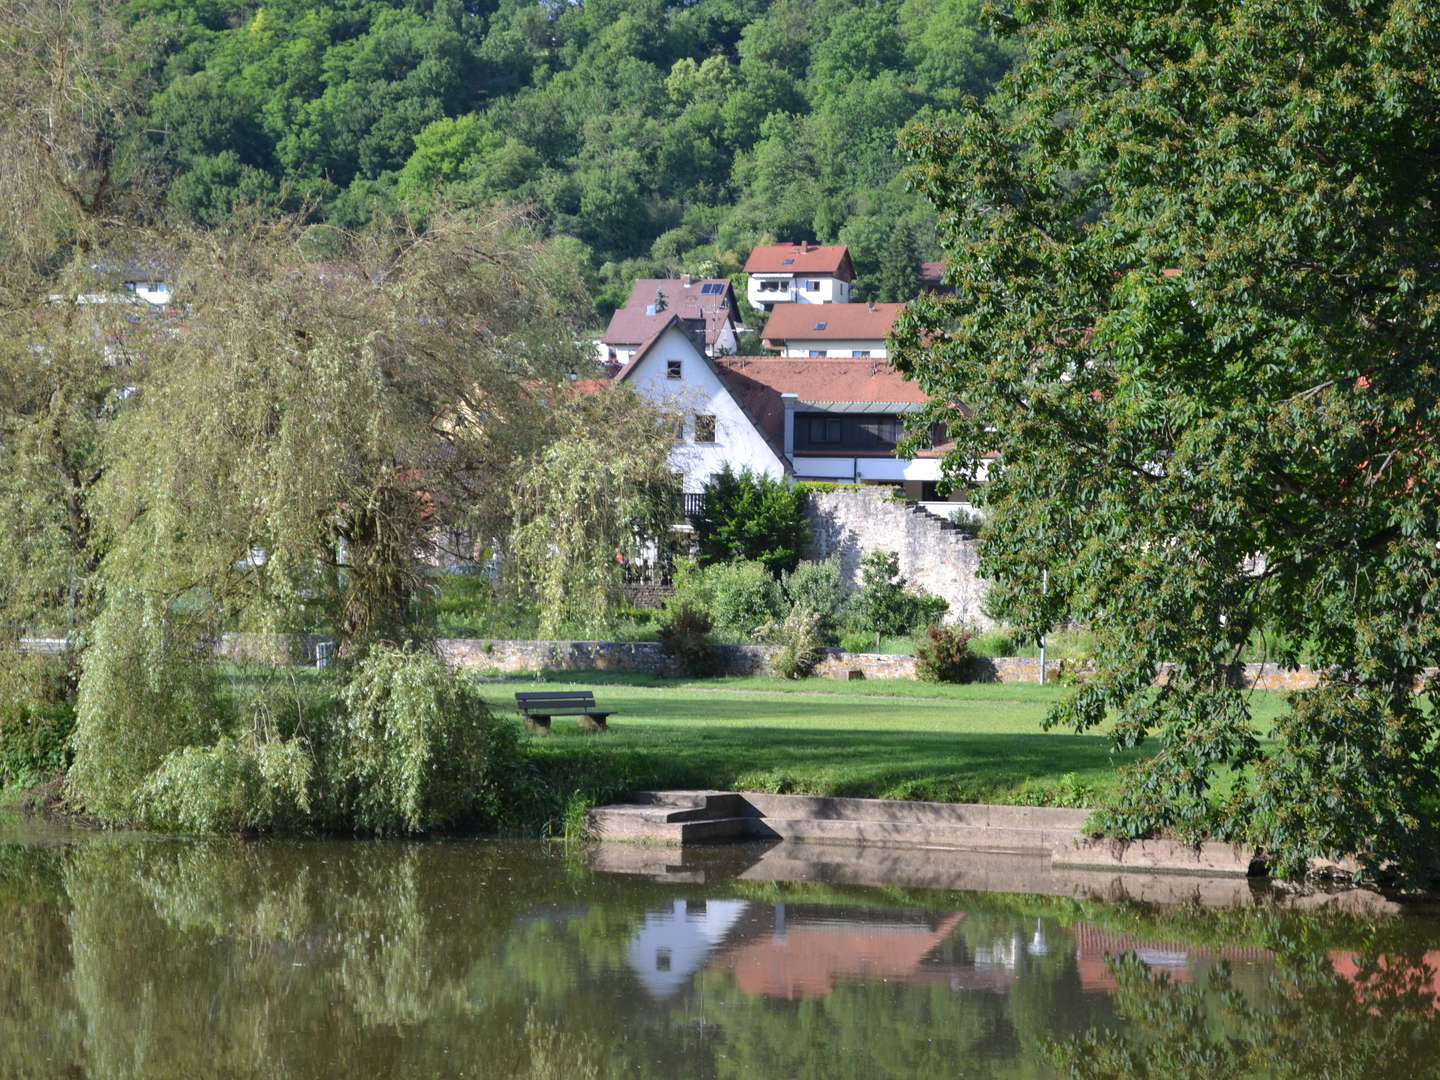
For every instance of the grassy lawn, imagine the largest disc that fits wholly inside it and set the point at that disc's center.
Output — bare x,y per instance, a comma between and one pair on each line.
880,738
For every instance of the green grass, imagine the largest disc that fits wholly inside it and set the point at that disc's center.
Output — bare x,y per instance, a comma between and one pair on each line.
881,738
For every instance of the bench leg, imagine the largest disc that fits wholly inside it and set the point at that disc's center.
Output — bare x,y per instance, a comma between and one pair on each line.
538,724
592,723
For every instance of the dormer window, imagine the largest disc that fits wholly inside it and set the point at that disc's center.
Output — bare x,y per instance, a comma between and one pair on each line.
672,369
819,326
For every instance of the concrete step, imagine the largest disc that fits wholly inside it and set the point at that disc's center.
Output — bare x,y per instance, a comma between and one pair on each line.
923,813
910,834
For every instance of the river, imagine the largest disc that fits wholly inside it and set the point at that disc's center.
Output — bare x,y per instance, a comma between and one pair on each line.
138,956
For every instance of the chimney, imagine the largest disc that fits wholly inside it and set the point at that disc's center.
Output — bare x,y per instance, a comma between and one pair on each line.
872,305
789,402
684,281
649,309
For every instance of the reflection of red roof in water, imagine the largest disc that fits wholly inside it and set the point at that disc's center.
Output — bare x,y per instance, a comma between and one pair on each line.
1389,977
1093,945
807,959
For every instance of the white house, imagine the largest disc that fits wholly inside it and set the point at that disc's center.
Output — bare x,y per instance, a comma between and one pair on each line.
847,331
712,428
799,274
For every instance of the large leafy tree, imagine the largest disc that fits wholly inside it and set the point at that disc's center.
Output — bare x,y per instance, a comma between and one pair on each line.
1197,260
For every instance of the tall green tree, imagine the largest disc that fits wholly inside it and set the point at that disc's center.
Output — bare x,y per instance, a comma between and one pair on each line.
752,516
1197,258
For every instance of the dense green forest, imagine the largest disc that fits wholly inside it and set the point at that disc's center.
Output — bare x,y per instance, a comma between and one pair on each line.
658,137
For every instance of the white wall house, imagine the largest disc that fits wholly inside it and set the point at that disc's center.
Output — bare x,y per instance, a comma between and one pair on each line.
799,274
713,428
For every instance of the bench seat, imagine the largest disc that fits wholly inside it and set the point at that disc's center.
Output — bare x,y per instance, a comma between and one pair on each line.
539,706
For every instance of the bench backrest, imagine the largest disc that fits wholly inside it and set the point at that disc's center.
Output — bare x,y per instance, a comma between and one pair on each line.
556,699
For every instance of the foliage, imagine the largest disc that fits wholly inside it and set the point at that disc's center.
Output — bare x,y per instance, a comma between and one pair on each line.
944,655
234,785
685,635
34,740
968,520
744,596
1194,323
815,587
884,605
415,748
801,645
751,516
595,493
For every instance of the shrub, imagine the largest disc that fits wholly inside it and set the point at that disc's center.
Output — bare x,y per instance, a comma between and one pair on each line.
944,655
744,596
753,517
237,785
34,740
801,649
884,606
815,587
967,520
685,635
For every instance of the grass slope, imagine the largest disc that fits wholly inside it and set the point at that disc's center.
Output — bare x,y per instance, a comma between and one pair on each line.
886,739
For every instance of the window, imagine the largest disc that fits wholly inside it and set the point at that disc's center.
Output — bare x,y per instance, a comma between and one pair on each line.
812,286
710,288
662,959
770,285
680,430
704,428
824,431
819,326
672,369
863,354
787,262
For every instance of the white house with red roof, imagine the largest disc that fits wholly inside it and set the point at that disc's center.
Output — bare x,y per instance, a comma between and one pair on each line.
853,331
706,308
836,419
800,273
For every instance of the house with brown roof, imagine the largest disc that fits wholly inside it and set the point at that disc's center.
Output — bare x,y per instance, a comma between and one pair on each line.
706,308
835,419
855,331
801,273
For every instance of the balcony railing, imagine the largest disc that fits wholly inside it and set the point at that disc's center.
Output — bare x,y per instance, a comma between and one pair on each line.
692,506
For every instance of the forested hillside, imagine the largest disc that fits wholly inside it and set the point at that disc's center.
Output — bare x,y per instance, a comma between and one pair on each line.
662,137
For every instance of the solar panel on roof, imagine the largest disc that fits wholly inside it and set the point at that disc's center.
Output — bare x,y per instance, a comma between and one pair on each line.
711,287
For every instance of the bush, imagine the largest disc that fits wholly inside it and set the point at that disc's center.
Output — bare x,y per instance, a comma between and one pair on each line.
743,597
815,587
237,785
415,748
752,517
944,655
34,740
884,606
685,635
801,649
968,520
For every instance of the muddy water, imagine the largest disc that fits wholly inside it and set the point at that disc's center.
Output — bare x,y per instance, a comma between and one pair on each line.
130,956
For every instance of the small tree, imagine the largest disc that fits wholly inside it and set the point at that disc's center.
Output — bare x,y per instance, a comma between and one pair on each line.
752,516
884,605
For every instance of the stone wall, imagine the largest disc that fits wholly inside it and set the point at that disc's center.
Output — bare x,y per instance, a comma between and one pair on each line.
934,555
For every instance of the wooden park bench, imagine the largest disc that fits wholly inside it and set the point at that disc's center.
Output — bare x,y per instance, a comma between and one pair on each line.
540,706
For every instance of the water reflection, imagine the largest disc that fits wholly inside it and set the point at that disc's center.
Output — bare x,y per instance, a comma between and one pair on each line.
135,957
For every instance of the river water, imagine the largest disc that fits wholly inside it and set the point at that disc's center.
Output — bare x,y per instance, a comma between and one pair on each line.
135,956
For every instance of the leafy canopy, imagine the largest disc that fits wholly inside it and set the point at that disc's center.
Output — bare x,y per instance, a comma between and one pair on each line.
1195,252
752,516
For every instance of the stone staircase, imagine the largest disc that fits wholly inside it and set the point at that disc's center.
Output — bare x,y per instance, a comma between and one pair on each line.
1056,835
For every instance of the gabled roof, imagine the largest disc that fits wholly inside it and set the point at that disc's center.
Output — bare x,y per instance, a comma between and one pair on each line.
823,385
633,323
832,322
832,260
663,322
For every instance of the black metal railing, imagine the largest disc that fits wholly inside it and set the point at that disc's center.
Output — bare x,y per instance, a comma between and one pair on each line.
692,506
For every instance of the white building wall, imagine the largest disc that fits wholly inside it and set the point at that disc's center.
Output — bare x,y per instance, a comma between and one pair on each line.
793,290
699,392
802,347
861,469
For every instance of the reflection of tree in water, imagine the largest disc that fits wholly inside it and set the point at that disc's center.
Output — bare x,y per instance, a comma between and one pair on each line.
1322,1013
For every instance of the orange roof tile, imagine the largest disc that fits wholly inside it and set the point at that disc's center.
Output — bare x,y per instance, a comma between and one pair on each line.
830,259
821,322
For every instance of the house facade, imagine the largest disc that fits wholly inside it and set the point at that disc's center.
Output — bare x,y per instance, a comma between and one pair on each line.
836,331
799,274
713,428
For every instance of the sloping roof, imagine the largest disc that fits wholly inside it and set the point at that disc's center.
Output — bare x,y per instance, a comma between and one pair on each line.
829,259
633,324
932,272
664,321
840,385
831,322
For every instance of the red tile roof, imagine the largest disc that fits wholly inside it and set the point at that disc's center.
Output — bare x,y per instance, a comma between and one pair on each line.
631,325
831,322
830,259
